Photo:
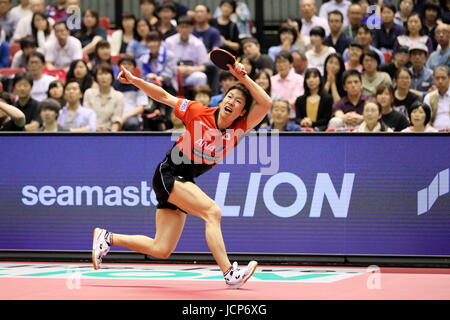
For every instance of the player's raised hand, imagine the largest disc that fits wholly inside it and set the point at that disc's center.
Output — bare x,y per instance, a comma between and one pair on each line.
237,70
125,76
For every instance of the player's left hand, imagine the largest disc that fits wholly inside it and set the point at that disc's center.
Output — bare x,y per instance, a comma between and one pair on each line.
237,70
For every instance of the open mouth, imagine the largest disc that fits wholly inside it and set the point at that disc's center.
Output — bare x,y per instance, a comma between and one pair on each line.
228,110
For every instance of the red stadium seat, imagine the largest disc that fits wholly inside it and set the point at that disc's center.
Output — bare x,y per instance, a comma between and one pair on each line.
57,73
387,57
13,48
115,59
104,22
11,71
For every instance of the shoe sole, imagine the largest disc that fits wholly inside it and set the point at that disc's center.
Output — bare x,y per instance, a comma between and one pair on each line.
246,279
96,267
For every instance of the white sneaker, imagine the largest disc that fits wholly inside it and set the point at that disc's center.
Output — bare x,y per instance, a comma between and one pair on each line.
101,244
236,277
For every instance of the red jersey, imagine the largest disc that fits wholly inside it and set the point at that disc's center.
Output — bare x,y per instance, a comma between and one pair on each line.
203,142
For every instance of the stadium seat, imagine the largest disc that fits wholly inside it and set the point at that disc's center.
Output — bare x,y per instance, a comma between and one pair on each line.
104,22
57,73
13,48
10,71
115,59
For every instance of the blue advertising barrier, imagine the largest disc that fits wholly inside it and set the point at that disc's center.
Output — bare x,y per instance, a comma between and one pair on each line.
300,194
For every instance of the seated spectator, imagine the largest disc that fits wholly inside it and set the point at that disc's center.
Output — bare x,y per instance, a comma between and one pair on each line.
422,79
91,33
252,49
4,54
262,78
286,84
445,11
249,66
27,46
11,118
203,30
22,85
337,39
308,11
56,91
177,124
392,118
227,28
107,102
190,53
58,11
372,121
355,15
79,71
74,117
148,10
203,95
102,54
41,81
420,116
371,77
347,112
288,37
303,42
340,6
413,34
405,9
430,20
241,17
23,28
442,55
63,49
159,63
400,59
166,13
22,9
8,21
137,48
332,77
49,112
439,100
121,38
279,115
313,109
319,52
135,100
226,81
41,29
180,9
364,37
300,62
355,52
384,38
404,97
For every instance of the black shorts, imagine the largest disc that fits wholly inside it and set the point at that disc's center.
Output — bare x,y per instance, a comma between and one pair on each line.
167,173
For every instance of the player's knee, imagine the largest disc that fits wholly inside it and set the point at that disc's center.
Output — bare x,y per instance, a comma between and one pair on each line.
214,213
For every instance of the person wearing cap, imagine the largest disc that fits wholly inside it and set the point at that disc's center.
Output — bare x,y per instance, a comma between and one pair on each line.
422,76
442,55
49,112
401,59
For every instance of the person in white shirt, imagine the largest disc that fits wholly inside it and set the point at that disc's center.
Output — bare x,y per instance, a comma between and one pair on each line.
319,52
439,100
22,10
308,10
41,81
339,5
23,28
63,48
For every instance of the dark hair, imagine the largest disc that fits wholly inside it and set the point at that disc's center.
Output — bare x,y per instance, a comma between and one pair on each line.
61,22
336,12
22,76
137,36
426,108
421,32
127,58
28,42
186,20
365,28
432,5
284,55
97,20
252,63
246,92
317,31
309,72
389,6
232,3
50,104
354,43
202,4
54,84
383,87
99,45
258,74
153,36
38,55
288,28
249,39
372,54
105,68
383,126
34,31
87,81
141,2
69,81
397,73
341,71
224,75
350,73
127,16
403,49
167,5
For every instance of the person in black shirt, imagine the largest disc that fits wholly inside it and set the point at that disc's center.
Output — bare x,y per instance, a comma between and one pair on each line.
11,118
401,59
22,85
404,98
227,28
393,119
337,39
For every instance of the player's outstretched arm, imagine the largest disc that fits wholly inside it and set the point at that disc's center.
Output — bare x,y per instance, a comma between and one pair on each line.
260,96
153,91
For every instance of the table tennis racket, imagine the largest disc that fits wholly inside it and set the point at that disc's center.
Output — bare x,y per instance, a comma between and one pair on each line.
221,58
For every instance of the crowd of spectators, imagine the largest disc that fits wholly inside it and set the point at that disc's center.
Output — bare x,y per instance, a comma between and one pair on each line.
340,66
